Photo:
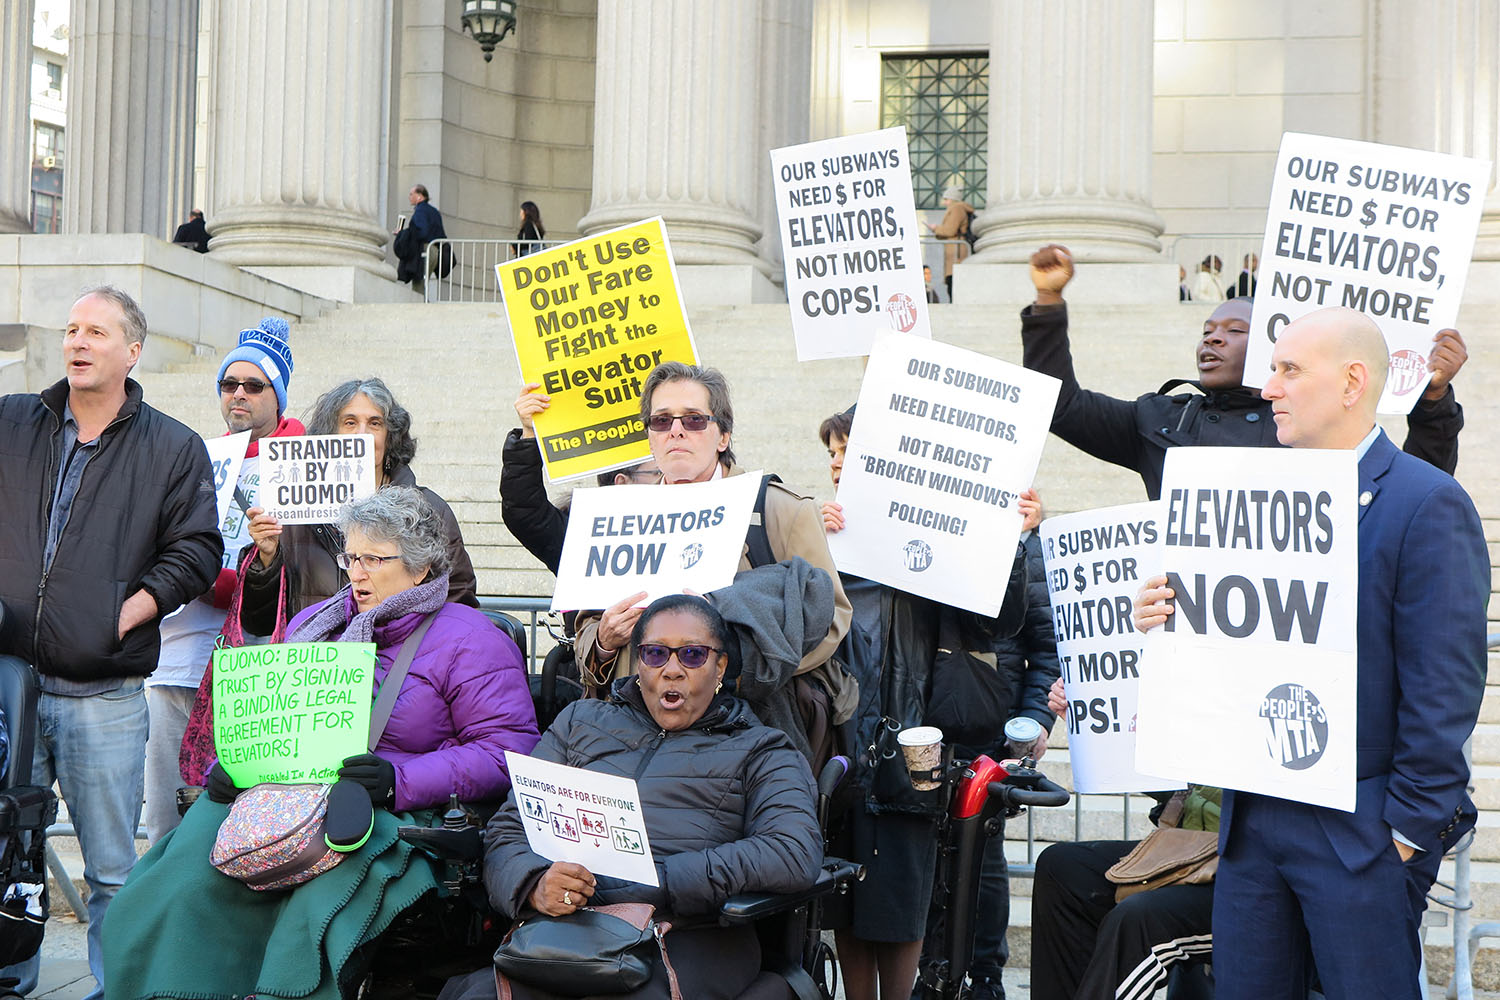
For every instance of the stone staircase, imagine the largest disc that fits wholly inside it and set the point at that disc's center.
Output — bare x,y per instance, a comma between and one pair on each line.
454,368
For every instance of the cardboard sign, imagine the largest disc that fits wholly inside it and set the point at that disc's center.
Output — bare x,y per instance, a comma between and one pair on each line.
592,819
660,539
944,443
1382,229
1261,547
590,319
1096,561
225,456
850,238
309,480
292,712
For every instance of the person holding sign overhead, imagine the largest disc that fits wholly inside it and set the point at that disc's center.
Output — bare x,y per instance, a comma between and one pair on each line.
463,702
308,552
690,423
728,807
1136,433
1348,889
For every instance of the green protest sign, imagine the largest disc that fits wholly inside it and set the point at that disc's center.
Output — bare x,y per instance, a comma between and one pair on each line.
291,712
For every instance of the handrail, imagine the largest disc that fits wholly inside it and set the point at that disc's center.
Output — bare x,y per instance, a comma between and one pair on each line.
470,276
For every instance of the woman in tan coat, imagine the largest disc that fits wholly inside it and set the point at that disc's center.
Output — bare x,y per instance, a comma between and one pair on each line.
954,227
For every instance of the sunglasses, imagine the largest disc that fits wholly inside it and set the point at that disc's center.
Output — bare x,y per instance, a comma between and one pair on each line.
252,386
654,654
662,422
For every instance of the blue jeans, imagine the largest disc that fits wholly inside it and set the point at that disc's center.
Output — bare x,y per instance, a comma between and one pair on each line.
94,747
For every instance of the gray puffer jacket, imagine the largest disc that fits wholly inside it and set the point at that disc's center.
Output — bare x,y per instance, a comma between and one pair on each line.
728,805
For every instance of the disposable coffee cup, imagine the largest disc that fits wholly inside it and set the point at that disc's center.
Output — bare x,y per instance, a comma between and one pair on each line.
1021,735
923,748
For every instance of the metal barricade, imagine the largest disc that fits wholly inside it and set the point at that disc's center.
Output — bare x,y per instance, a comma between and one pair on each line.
1190,250
464,270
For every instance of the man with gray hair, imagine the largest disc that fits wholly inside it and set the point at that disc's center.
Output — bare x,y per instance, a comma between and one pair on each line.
1348,889
107,522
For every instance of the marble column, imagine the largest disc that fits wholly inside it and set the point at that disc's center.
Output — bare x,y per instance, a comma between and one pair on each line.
677,129
295,154
133,76
15,115
1070,131
786,68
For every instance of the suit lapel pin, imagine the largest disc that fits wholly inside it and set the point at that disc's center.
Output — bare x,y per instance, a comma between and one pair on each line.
1365,498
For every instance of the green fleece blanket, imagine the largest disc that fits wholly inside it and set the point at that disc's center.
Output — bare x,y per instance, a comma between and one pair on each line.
179,929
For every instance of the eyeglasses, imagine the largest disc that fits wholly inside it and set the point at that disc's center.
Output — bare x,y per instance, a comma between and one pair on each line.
252,386
370,563
654,654
662,422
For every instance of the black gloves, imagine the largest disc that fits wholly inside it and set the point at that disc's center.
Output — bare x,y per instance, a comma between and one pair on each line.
220,786
375,773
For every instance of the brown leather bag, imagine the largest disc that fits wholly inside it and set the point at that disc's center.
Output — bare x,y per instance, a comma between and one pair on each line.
1168,855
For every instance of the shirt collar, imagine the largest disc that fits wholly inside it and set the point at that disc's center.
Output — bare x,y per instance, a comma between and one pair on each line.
1364,446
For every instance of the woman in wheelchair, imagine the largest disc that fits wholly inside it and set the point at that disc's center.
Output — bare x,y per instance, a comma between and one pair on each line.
728,805
181,928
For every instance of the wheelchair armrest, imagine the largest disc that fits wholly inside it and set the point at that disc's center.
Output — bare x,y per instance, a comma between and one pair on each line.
748,907
27,807
462,845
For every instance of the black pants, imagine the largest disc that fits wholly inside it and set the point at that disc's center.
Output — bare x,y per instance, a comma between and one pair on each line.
1086,946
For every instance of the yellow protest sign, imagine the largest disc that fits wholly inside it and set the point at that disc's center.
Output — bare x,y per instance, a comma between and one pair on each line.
590,319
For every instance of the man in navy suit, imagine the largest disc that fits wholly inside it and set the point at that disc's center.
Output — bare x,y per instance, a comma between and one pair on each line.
1302,885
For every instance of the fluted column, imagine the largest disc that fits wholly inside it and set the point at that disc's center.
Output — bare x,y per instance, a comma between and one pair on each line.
786,68
133,72
15,116
1070,131
676,124
294,167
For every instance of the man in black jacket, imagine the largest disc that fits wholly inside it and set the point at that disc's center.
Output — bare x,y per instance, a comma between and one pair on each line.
1137,433
107,522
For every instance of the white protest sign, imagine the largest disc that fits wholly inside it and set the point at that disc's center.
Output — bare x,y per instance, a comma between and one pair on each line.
225,456
592,819
660,539
308,480
1261,547
944,443
849,236
1096,560
1382,229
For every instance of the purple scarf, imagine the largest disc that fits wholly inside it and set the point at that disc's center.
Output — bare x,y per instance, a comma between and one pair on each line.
332,621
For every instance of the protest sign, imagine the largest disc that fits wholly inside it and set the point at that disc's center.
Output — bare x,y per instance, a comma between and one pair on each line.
1096,560
849,236
292,712
592,819
660,539
225,456
1382,229
589,320
308,480
944,443
1251,682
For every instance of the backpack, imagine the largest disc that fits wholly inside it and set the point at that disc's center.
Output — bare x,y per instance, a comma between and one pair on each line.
969,230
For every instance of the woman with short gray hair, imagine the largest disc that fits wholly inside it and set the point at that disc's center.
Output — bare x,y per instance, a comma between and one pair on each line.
308,552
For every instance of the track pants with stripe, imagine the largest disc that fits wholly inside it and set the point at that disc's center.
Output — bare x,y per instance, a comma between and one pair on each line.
1085,946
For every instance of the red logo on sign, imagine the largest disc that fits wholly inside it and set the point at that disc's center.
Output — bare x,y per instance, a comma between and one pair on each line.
903,312
1408,369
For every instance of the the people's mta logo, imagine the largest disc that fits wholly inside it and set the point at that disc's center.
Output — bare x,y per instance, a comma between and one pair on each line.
691,553
902,312
1407,369
1296,726
917,555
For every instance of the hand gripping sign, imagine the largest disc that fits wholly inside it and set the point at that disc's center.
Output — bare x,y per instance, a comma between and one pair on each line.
849,235
1251,682
590,319
1382,229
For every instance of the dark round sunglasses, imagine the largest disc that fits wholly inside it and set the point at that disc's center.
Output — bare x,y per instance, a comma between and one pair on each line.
252,386
662,422
693,656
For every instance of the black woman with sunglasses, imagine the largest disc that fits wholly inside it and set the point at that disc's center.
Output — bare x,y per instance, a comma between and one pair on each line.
728,807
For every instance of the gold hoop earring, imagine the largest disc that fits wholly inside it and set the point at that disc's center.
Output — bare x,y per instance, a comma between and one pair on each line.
718,686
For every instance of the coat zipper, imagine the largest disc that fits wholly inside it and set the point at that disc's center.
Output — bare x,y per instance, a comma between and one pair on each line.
650,752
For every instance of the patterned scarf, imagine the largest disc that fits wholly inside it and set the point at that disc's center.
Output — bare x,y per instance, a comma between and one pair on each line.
331,622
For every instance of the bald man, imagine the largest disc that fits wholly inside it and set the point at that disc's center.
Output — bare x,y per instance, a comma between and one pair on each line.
1350,887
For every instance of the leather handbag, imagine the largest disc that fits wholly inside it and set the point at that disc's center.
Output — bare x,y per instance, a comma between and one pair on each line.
1169,855
970,697
595,950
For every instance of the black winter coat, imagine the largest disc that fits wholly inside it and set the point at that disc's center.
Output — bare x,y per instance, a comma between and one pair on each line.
144,519
1137,433
1030,655
525,508
728,803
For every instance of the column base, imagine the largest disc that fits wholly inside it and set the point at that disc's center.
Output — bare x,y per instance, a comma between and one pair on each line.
299,238
726,285
339,284
1099,283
